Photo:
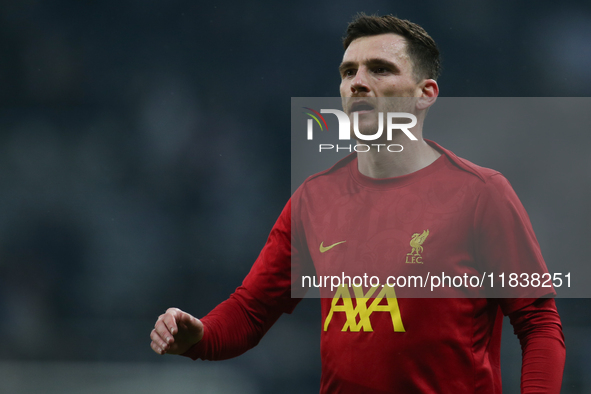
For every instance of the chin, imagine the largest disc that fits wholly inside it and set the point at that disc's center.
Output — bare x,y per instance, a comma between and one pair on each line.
368,125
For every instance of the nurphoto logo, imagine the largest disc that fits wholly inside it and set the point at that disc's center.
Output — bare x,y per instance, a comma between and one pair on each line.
392,119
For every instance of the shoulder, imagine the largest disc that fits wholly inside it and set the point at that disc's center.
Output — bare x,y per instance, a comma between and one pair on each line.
483,179
328,178
328,174
483,174
488,191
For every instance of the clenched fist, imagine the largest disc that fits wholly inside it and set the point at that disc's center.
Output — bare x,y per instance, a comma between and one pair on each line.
175,332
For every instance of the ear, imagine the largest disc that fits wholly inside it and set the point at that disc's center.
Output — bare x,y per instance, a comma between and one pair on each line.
429,93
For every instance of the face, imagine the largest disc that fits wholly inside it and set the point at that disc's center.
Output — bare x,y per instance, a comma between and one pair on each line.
378,66
374,67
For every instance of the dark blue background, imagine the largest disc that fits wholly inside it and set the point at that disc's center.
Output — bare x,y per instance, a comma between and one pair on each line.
144,157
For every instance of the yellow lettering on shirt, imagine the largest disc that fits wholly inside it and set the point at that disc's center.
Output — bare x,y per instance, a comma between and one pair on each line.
362,310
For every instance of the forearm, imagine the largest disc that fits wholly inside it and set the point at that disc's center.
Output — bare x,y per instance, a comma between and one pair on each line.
233,327
239,323
543,364
539,331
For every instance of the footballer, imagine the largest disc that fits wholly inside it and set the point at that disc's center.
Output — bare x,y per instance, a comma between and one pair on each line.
423,205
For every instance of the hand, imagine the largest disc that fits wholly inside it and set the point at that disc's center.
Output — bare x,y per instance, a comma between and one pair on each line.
175,332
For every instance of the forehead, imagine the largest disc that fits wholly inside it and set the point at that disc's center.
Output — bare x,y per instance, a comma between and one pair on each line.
389,46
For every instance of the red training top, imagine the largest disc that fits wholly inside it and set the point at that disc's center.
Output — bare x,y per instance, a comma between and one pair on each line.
451,216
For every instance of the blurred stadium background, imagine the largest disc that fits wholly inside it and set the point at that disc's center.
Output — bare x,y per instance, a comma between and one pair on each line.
144,157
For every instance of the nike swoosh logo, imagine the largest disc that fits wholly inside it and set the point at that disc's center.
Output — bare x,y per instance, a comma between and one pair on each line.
324,249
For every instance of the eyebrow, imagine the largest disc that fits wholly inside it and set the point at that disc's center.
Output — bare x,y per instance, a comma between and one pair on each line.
369,62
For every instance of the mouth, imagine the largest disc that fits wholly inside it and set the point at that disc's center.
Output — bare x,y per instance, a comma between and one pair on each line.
361,107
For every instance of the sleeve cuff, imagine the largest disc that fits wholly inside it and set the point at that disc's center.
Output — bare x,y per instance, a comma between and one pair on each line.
199,349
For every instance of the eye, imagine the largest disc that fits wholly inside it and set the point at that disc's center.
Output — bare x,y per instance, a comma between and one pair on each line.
380,70
350,72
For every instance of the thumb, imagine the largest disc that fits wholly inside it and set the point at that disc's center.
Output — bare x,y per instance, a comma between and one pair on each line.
191,323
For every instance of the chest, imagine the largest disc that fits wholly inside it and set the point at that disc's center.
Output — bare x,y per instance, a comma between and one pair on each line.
394,232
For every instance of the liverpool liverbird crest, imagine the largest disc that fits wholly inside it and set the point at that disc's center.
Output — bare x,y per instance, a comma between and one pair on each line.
416,243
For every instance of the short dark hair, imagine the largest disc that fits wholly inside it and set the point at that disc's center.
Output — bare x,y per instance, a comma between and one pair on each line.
421,48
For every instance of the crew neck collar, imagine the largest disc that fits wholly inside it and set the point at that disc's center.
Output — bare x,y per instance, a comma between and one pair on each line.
398,181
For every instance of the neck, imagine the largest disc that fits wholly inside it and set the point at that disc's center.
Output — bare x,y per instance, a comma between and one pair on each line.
384,164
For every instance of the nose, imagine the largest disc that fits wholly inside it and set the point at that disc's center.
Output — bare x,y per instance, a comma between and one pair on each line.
359,83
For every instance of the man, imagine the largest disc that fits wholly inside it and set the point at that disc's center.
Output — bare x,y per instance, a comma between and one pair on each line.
375,207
